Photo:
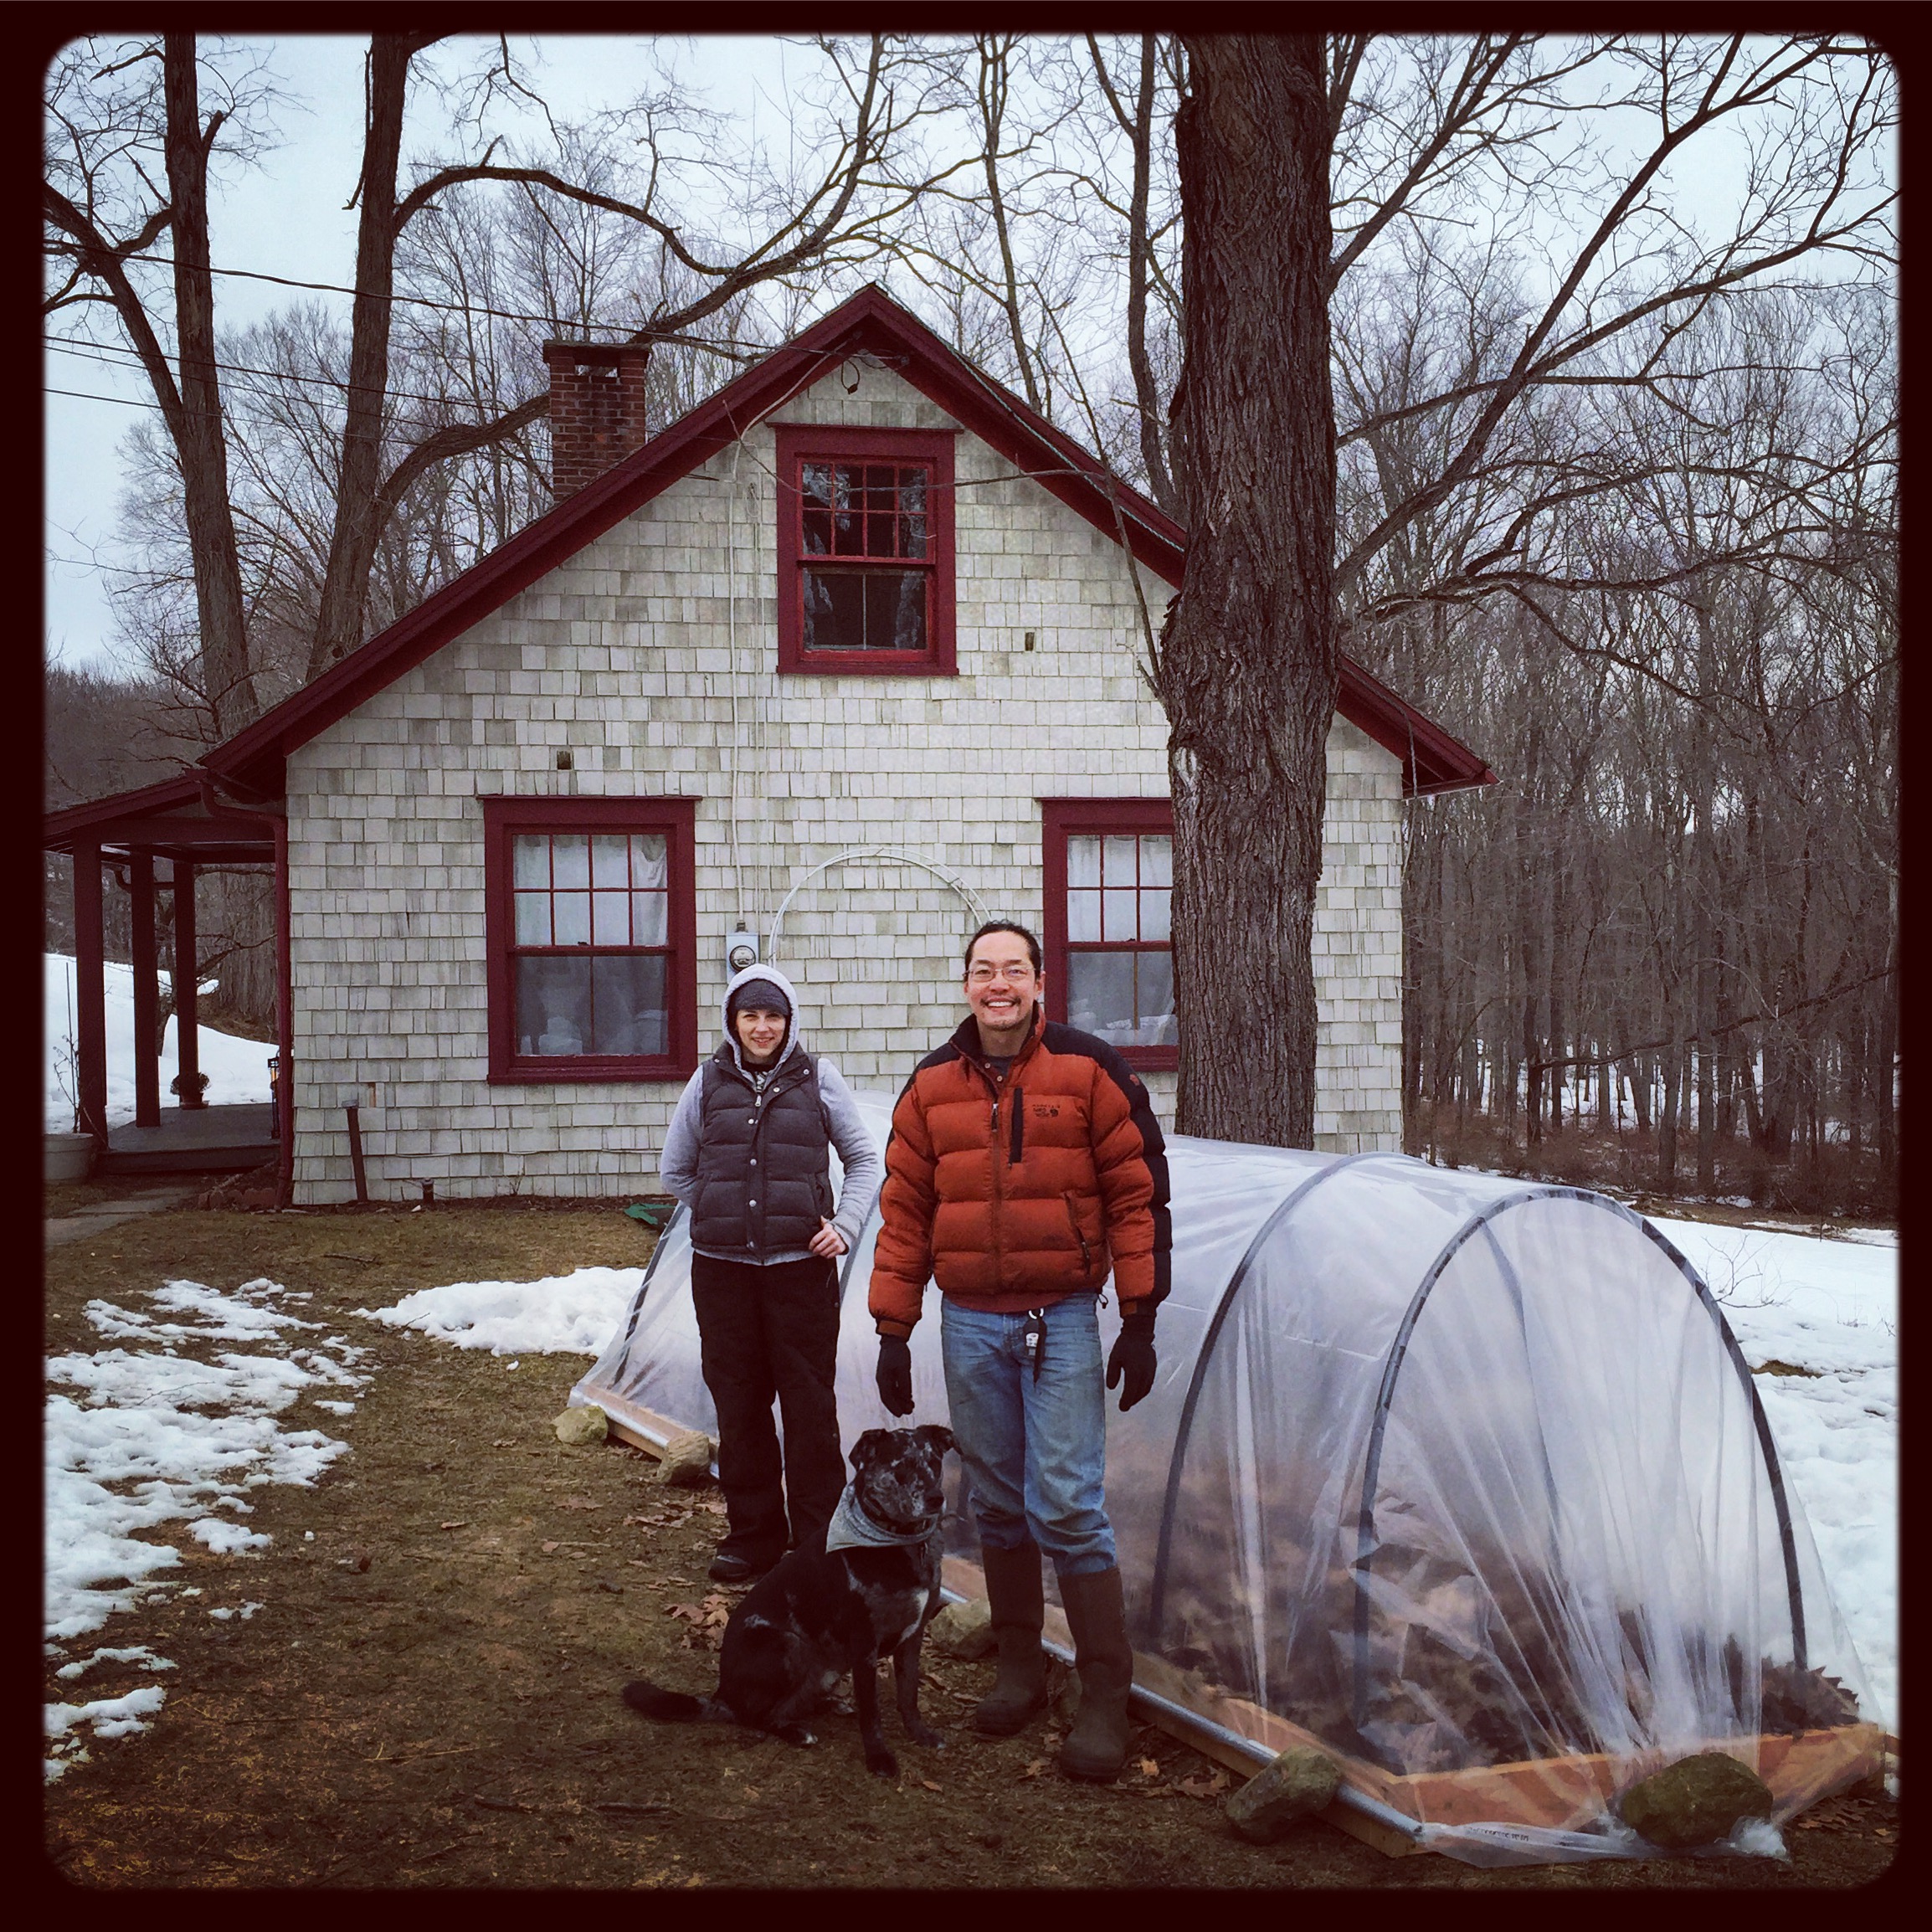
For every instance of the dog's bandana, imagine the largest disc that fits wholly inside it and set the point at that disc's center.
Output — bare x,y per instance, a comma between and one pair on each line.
852,1528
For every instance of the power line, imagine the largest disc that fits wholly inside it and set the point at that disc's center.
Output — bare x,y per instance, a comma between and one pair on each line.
717,344
115,357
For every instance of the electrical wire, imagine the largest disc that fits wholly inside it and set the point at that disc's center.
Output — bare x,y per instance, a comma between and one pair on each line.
717,344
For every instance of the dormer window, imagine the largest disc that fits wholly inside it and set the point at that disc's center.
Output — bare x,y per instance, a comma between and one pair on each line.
865,546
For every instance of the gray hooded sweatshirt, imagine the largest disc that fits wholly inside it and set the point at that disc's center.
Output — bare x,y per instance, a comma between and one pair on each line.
678,1164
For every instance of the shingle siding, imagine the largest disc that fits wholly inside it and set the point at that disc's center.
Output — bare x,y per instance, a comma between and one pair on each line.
625,655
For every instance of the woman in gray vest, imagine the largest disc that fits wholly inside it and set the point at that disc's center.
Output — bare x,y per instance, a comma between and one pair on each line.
746,1153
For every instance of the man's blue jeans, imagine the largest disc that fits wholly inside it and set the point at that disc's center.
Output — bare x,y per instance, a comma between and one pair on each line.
1035,1452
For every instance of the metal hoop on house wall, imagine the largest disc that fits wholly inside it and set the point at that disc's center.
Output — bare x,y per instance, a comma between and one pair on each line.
891,853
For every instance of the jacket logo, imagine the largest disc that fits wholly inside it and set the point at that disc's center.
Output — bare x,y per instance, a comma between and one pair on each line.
1045,1112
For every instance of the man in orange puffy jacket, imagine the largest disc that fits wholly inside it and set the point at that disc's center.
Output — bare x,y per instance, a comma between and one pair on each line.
1024,1163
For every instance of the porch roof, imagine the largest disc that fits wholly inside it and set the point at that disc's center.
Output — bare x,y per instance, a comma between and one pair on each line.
172,819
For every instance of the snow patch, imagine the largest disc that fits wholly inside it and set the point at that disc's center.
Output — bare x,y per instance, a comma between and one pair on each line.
572,1314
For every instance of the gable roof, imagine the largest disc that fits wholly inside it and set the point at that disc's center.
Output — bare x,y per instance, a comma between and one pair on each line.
871,321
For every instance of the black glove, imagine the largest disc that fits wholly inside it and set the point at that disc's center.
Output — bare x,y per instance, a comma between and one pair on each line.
895,1373
1133,1357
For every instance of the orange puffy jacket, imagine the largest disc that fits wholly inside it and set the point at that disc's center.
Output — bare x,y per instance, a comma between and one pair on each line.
1009,1193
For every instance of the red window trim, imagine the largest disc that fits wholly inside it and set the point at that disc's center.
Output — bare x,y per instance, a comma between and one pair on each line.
1061,819
832,443
505,814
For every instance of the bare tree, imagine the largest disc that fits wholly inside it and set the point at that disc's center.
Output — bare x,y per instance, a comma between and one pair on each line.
1257,613
115,108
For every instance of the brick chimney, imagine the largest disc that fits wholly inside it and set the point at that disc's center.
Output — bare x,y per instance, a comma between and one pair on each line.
596,409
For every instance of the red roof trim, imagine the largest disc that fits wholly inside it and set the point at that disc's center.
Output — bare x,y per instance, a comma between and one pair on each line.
1432,760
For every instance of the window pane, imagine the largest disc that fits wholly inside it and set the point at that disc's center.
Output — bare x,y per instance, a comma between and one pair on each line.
913,529
899,598
834,604
1084,917
570,856
1100,994
1156,860
611,861
872,610
573,917
552,1004
647,859
533,918
815,521
628,1003
1123,917
1153,999
1121,858
1083,862
650,918
1154,915
611,916
532,858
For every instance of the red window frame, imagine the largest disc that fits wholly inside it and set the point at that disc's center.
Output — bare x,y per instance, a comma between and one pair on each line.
1061,819
676,818
799,443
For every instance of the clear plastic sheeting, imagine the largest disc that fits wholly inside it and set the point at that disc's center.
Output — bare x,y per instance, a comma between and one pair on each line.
1462,1479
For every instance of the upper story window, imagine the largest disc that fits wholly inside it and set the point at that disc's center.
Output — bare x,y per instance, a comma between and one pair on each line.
1109,872
591,923
864,547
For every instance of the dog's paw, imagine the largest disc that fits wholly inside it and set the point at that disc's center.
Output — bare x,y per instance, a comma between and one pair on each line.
796,1734
923,1734
881,1764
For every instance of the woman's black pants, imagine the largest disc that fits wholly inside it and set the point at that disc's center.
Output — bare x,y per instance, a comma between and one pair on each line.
768,1334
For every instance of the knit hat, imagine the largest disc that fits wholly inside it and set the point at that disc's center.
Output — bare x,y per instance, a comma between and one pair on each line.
758,992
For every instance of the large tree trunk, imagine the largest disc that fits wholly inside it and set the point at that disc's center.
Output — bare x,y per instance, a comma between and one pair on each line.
357,525
1247,665
199,443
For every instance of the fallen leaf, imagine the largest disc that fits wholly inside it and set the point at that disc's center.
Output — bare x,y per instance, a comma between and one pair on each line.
548,1547
578,1502
1200,1788
463,1525
1034,1768
504,1442
689,1611
1149,1768
926,1782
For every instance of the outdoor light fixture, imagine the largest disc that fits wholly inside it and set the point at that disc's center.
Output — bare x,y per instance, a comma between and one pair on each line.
741,950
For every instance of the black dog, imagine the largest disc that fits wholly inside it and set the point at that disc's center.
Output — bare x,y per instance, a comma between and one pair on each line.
820,1614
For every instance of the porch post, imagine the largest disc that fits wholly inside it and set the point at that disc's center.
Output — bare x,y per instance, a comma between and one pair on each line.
284,1019
89,993
186,997
146,992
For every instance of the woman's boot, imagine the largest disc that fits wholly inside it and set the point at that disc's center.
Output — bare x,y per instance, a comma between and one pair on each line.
1096,1745
1018,1600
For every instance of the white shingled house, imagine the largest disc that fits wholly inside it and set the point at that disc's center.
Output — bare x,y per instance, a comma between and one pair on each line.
824,672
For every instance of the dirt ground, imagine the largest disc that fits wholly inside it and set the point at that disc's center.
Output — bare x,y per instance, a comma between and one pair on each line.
448,1716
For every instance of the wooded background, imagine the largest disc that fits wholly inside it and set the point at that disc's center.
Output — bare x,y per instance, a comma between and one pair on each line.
1612,349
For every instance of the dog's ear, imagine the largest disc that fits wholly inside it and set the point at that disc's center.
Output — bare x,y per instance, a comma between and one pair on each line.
870,1447
940,1440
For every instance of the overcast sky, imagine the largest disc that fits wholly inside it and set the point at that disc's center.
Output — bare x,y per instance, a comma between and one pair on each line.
288,218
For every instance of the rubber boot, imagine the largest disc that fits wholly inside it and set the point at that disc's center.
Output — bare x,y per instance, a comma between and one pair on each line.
1096,1745
1018,1600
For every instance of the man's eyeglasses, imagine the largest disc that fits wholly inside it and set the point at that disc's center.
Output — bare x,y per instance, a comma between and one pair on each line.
985,975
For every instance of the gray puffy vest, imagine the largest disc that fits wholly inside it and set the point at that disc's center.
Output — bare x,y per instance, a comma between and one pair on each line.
764,1175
